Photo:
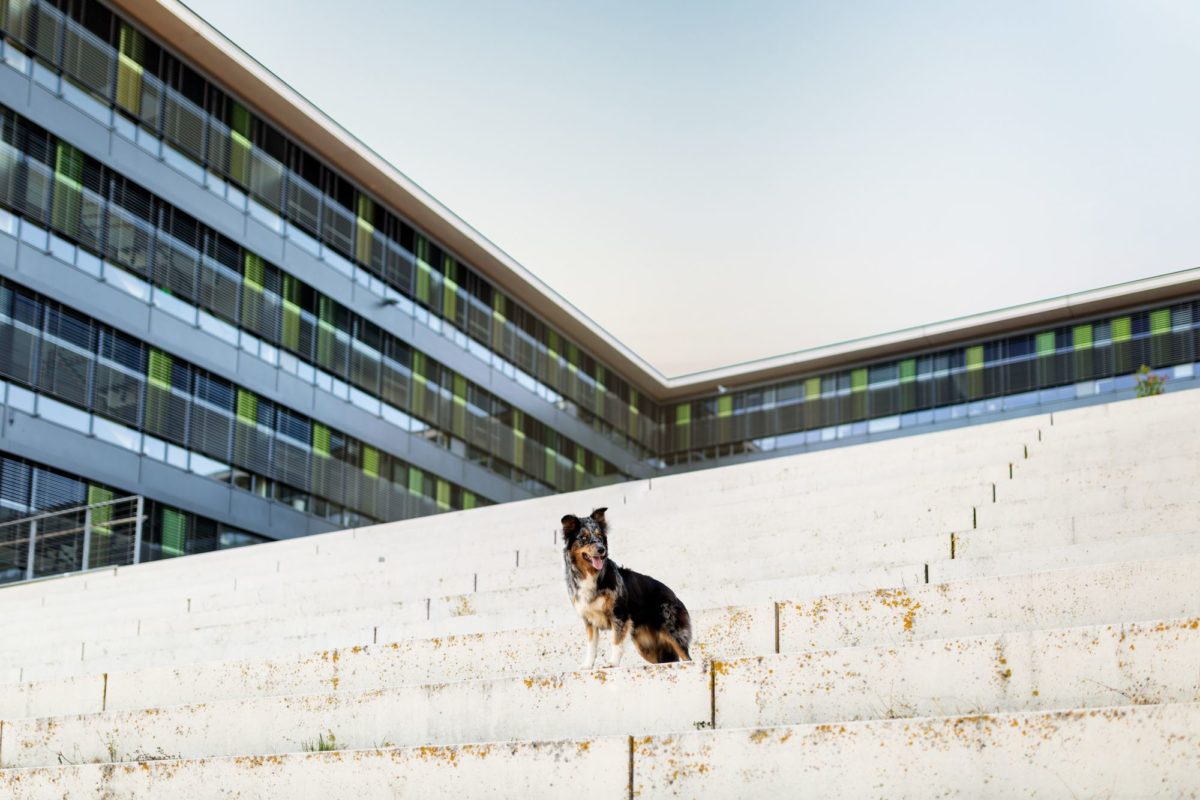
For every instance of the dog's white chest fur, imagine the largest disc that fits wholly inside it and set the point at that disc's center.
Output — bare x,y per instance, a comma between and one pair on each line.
591,605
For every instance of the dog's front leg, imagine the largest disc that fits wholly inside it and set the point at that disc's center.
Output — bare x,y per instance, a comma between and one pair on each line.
619,631
593,639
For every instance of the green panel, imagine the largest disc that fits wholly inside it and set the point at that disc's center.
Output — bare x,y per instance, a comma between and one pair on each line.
130,54
159,371
449,299
550,465
974,358
683,414
239,143
100,516
416,481
68,187
725,405
423,269
468,499
364,229
252,270
858,380
291,313
1160,321
443,494
247,407
812,388
325,333
1081,337
174,531
1045,343
1122,329
320,437
518,440
908,370
370,461
423,282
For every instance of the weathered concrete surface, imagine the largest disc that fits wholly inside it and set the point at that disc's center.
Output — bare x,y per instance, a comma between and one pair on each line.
1150,589
253,636
1128,751
1131,663
590,768
724,633
1131,547
574,704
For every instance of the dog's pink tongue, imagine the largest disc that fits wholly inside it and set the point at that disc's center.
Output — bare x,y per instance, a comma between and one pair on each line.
597,563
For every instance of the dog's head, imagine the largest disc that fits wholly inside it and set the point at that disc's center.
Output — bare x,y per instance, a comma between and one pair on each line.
585,539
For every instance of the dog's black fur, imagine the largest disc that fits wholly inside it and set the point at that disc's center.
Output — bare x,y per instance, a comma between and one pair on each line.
612,598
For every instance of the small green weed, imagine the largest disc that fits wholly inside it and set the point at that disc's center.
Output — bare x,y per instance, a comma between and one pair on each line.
1149,383
321,745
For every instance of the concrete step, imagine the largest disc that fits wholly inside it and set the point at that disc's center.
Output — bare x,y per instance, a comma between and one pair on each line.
566,768
1123,751
1081,668
537,606
1034,536
719,632
992,555
1126,663
1103,594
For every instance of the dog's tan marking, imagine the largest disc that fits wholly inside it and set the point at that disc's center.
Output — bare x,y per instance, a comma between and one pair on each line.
672,644
598,610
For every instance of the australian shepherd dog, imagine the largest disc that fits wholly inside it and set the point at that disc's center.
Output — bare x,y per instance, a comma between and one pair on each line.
612,598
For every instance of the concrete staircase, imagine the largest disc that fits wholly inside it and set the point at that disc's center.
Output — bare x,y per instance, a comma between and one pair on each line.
999,610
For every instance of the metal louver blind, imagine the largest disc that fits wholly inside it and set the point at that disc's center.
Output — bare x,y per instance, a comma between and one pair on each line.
183,124
88,60
15,480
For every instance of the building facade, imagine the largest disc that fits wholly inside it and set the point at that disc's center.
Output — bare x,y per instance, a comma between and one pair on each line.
213,297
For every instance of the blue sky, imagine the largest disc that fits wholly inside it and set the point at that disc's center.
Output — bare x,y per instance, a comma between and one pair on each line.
715,182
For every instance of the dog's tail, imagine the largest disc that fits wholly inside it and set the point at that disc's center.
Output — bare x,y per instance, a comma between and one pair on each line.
680,633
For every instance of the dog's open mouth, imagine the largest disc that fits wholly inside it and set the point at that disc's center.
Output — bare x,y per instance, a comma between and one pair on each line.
597,563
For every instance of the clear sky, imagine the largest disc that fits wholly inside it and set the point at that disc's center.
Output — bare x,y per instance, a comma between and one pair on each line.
720,181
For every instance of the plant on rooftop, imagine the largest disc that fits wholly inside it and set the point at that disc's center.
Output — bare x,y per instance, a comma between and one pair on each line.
1149,383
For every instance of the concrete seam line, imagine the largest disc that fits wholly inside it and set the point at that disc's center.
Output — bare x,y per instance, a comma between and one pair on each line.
712,695
776,604
630,768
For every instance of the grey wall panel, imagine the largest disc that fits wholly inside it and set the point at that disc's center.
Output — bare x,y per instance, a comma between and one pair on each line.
254,513
253,372
36,439
262,240
191,492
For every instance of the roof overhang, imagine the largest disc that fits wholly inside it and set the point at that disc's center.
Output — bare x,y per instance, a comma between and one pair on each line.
227,64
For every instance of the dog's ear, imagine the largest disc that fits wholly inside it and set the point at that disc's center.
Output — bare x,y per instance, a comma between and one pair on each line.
598,515
570,525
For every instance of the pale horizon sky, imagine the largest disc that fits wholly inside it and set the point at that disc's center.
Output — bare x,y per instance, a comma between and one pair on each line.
717,182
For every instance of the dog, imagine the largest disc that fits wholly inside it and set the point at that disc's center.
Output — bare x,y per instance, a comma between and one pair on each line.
612,598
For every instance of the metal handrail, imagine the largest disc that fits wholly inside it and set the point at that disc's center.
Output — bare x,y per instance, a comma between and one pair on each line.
79,558
61,511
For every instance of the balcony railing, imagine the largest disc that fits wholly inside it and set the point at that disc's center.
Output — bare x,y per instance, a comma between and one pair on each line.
104,534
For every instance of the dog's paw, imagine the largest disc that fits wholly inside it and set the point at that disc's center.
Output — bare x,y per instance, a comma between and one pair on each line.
586,665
